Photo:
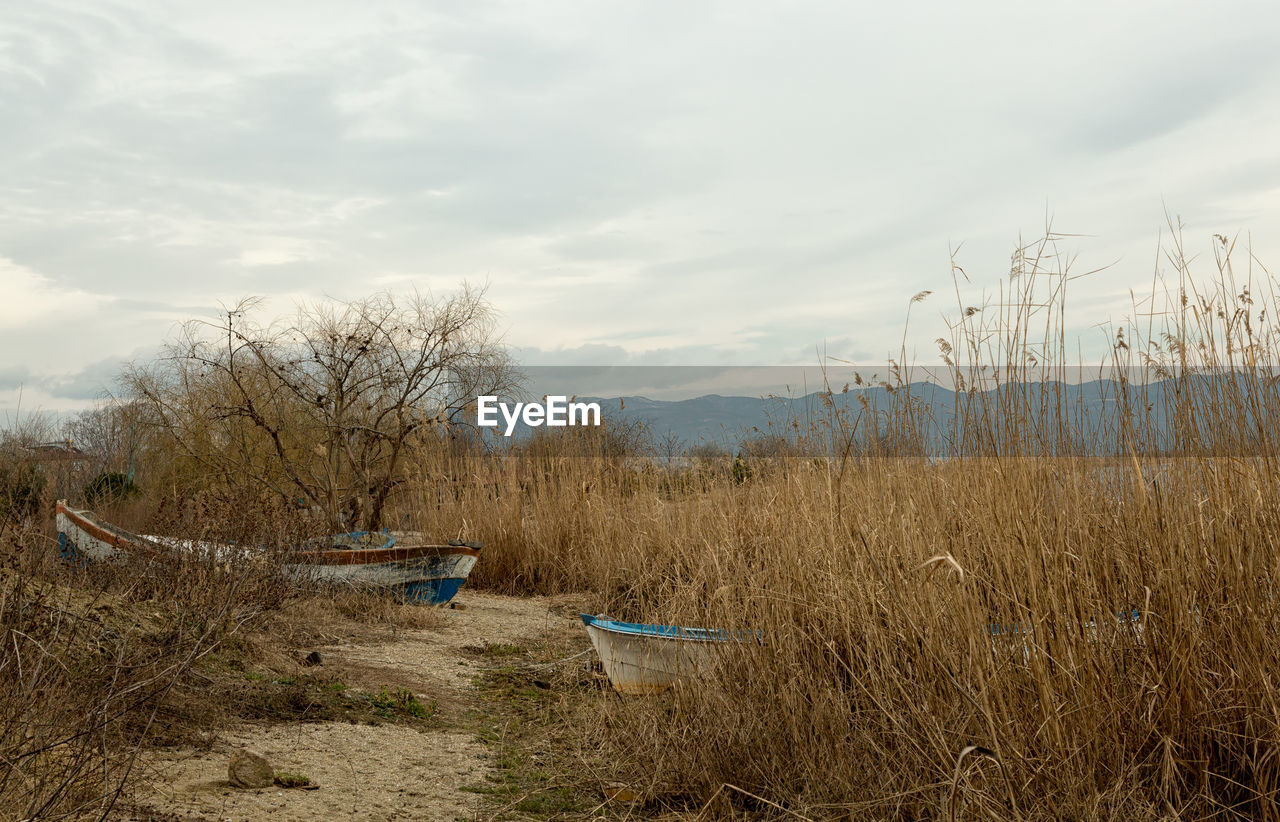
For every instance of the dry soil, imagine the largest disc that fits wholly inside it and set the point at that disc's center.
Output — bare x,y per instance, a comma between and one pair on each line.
368,772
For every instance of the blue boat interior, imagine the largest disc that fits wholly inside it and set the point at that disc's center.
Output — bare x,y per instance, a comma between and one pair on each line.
668,631
364,539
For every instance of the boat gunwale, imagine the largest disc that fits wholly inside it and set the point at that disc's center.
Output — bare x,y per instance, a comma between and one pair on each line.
676,632
128,541
375,556
112,535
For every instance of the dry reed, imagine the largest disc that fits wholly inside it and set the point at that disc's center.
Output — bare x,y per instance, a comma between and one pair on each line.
914,608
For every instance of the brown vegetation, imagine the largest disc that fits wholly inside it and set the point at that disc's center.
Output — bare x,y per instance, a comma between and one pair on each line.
941,639
879,582
93,661
320,410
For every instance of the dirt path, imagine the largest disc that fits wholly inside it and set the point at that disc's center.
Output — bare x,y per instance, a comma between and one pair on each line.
370,772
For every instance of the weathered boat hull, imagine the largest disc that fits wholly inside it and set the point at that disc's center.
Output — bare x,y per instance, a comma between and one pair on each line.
426,574
84,538
648,659
1020,638
423,574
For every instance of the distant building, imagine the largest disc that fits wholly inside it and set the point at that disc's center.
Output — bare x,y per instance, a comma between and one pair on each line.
61,451
65,467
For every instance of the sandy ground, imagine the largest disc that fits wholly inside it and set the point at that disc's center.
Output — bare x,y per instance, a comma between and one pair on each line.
368,772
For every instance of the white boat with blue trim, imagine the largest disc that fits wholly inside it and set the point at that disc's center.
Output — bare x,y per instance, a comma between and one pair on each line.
644,659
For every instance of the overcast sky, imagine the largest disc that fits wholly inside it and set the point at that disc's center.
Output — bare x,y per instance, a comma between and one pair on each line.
687,183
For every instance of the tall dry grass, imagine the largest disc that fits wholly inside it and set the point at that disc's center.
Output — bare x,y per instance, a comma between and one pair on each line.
881,688
940,638
99,662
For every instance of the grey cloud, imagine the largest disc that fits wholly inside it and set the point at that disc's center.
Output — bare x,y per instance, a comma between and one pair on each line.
213,158
656,183
93,381
176,311
654,381
838,352
1169,93
14,376
583,355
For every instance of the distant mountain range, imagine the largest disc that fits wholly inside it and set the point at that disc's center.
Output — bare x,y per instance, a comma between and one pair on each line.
1094,409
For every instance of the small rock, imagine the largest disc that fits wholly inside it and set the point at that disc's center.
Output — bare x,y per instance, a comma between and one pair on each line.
313,658
457,606
249,770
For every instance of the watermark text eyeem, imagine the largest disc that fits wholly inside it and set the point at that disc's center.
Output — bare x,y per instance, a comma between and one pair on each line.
556,412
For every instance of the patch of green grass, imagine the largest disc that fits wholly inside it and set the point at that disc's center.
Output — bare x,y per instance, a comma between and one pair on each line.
531,776
414,707
383,703
292,780
524,786
308,698
402,701
517,689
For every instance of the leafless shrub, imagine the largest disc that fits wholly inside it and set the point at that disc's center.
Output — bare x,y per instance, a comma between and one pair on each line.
92,660
321,410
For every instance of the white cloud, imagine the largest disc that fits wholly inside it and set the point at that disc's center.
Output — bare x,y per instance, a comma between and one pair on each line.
29,301
735,180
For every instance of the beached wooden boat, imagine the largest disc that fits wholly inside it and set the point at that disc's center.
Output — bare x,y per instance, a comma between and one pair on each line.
646,659
399,563
82,537
426,574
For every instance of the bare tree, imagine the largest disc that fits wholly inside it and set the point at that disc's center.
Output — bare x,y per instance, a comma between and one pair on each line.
321,409
109,434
